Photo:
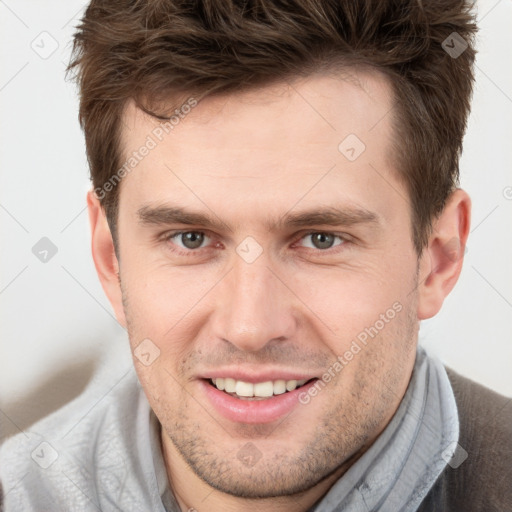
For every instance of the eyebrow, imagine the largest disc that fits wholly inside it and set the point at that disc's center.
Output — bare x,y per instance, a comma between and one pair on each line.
327,216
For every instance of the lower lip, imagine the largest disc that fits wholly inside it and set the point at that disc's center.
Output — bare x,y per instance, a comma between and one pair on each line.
254,411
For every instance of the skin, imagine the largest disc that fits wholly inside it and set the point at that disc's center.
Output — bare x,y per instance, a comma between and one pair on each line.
249,159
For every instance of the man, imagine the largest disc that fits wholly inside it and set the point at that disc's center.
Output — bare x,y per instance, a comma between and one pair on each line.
275,208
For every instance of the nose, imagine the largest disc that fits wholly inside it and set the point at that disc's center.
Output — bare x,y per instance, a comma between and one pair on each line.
253,306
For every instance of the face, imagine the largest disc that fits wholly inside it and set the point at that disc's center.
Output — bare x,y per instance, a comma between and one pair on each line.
258,254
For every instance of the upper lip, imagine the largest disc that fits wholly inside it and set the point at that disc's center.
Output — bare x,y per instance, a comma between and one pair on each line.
253,377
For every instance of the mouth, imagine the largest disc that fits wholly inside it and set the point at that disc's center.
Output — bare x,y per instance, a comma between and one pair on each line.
257,399
253,391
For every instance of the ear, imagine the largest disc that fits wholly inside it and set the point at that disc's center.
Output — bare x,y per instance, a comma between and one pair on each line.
104,256
441,261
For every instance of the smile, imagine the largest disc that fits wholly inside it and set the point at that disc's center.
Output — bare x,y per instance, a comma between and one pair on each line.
258,390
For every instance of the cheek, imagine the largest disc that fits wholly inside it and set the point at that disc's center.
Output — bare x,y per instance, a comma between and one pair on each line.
161,299
160,387
373,368
347,301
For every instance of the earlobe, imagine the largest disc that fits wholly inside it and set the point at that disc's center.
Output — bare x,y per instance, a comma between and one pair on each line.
441,261
104,256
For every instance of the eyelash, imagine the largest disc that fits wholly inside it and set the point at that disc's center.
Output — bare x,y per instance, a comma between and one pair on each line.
167,237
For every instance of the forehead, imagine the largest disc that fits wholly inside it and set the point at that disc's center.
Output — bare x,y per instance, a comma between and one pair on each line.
352,101
272,145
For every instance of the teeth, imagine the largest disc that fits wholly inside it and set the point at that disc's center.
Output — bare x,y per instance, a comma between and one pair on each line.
229,385
264,389
244,388
279,387
291,385
260,389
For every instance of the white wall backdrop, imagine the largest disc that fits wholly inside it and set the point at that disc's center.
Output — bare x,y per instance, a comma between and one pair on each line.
55,322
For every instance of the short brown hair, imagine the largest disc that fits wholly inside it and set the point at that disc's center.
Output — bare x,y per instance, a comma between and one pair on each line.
150,49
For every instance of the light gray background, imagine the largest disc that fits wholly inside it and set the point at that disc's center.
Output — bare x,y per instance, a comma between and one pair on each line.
56,324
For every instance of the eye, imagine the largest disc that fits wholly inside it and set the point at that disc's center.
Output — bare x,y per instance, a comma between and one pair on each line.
188,239
322,240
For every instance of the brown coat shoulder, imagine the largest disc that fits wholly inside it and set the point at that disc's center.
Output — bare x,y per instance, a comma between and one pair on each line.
483,482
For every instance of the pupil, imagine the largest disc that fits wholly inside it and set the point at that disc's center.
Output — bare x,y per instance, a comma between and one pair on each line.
192,239
323,240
